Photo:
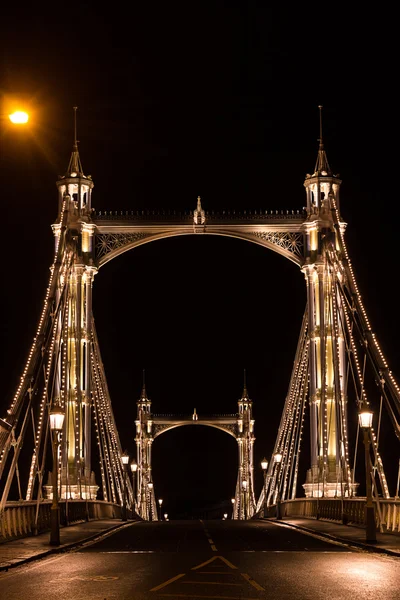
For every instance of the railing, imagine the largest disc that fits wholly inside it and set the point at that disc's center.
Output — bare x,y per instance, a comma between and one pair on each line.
182,216
21,519
348,511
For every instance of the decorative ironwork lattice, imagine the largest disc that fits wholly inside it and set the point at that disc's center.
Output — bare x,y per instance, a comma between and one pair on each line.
293,242
158,428
108,242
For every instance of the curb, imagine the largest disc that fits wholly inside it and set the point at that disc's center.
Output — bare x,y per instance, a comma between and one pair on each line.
64,547
345,541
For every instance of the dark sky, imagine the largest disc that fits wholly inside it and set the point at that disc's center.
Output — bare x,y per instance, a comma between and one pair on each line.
177,100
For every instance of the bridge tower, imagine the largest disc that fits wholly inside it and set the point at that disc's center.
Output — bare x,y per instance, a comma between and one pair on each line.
329,475
72,386
145,497
244,496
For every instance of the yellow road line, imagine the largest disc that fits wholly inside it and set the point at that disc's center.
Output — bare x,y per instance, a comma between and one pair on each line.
211,597
158,587
215,573
252,582
213,548
210,540
212,583
207,562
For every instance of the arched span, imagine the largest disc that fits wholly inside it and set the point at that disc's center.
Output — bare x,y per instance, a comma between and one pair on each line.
287,243
163,427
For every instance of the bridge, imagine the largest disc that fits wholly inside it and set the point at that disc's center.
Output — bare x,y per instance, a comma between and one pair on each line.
339,369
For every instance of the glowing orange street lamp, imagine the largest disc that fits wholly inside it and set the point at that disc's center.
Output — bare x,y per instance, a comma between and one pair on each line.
19,117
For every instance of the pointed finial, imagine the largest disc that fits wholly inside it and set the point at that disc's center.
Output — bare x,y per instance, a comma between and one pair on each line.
322,166
321,145
75,137
244,384
199,216
75,165
143,385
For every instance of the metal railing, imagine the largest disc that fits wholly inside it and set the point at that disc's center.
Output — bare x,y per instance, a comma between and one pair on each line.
21,519
348,511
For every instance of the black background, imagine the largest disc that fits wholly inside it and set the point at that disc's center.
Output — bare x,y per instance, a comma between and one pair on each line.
175,100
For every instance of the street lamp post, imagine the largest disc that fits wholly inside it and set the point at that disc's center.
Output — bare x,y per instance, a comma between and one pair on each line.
278,462
150,488
160,501
125,462
264,466
244,487
56,425
365,420
133,470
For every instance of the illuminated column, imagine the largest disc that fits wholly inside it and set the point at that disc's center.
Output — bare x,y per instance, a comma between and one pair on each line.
327,358
144,439
86,383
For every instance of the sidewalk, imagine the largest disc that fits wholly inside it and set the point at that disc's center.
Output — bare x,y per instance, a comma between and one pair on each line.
387,543
19,552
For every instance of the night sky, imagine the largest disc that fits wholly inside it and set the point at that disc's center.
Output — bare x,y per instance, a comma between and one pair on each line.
177,100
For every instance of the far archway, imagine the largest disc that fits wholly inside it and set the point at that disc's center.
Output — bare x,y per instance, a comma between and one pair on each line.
240,425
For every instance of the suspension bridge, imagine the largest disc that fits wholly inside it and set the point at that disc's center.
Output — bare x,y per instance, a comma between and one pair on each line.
339,370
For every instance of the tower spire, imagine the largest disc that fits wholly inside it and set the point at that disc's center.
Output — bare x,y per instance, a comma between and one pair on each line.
144,395
75,165
245,393
321,166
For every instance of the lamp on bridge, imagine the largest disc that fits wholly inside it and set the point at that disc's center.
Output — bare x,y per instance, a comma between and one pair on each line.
133,470
150,487
19,117
160,501
278,462
56,424
264,466
244,488
365,420
125,463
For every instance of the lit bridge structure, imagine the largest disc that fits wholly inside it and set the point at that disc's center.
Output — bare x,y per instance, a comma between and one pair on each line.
338,369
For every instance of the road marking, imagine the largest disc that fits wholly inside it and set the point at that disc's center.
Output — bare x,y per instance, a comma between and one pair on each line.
210,597
213,582
215,573
207,562
224,583
209,539
252,582
158,587
128,552
84,578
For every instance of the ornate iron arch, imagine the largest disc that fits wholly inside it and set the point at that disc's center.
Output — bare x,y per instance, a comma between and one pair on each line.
116,233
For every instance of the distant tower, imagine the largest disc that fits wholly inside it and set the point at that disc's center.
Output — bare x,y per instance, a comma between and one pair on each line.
245,498
144,440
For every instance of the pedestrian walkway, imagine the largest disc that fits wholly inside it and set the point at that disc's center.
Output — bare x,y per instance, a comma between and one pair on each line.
21,551
388,543
24,550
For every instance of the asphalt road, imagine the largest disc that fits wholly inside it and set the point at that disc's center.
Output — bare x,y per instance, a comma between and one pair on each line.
230,560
